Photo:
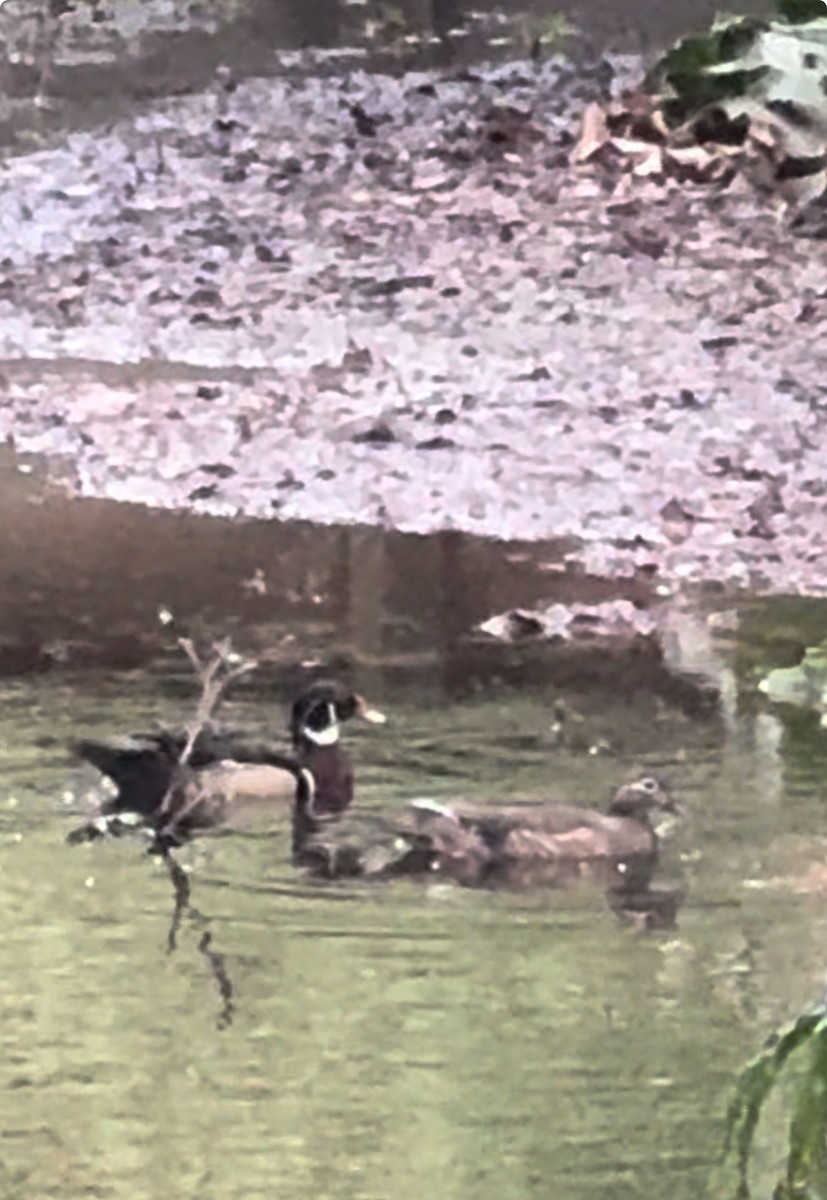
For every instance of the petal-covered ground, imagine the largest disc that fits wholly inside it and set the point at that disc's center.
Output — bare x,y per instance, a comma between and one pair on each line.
365,298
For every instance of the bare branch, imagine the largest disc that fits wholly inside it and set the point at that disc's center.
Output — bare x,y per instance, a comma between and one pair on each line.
215,676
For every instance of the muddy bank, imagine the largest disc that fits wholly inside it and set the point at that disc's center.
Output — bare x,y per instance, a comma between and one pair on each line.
391,301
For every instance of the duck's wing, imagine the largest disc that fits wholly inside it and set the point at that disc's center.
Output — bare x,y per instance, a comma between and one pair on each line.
141,765
217,744
549,818
529,830
595,836
443,840
433,817
579,844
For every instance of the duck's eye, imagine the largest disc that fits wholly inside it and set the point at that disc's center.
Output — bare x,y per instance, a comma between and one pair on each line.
320,716
649,785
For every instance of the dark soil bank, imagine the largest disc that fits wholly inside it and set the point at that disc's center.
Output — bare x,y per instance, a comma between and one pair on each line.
391,300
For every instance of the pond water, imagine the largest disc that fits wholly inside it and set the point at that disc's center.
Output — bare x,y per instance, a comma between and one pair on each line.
344,1040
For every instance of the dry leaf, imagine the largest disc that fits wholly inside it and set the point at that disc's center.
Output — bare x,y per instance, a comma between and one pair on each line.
651,163
594,134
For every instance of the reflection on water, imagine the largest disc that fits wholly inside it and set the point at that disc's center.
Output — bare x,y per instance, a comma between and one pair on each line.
289,590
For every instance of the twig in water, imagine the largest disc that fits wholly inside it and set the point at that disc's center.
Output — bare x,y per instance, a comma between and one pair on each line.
215,676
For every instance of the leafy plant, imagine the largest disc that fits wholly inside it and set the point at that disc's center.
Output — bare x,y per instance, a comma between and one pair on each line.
804,685
805,1174
773,71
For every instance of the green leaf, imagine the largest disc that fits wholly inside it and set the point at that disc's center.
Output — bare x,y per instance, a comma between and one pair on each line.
774,72
686,68
804,685
797,12
807,1159
754,1086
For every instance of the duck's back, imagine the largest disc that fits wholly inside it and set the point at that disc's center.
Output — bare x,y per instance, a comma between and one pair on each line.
610,837
547,818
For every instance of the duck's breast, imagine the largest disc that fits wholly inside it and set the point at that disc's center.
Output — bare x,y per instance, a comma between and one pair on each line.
333,777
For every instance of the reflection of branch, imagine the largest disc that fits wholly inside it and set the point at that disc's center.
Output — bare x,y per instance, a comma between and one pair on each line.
182,891
214,958
219,972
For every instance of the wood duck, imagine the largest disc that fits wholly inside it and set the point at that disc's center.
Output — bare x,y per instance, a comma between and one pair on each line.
540,844
548,844
226,778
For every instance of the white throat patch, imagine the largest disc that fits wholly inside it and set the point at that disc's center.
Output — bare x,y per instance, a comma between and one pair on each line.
328,736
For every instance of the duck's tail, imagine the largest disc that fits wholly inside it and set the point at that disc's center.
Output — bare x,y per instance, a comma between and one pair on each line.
114,755
141,769
425,807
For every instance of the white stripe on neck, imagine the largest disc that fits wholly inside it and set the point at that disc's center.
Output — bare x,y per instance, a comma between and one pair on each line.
310,784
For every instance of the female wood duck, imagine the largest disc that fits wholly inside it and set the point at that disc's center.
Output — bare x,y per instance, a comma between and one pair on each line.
548,844
227,779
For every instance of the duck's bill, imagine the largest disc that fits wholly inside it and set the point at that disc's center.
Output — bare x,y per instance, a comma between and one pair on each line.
372,715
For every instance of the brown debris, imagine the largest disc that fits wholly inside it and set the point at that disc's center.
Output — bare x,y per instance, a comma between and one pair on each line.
594,134
708,149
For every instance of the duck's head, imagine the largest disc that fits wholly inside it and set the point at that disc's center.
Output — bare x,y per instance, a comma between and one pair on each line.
641,798
317,715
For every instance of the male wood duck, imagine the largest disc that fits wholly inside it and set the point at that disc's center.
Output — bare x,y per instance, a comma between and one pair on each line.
226,778
521,844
